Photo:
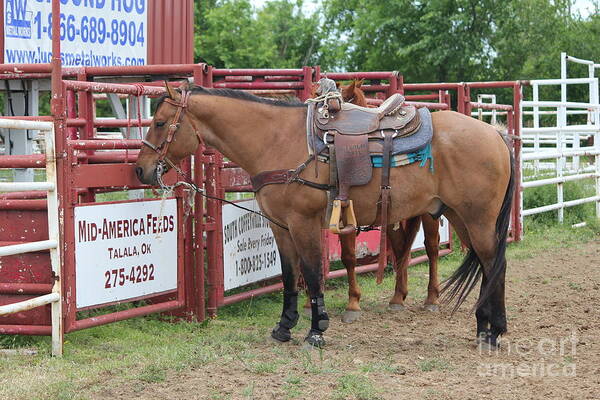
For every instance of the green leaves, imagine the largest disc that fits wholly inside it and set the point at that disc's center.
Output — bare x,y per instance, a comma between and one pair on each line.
279,35
434,40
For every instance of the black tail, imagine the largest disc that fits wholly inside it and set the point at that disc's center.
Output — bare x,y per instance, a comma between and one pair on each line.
458,286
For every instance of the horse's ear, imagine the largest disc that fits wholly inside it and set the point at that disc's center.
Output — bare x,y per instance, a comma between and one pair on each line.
337,84
358,83
170,91
313,90
185,85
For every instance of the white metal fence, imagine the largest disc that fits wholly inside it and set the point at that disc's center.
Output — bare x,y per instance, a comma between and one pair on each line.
53,298
557,140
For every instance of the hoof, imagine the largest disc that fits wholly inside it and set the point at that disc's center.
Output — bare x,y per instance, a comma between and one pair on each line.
485,347
396,307
281,334
271,339
350,316
314,339
488,343
431,307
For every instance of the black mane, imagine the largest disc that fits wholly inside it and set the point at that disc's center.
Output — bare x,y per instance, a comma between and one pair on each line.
240,95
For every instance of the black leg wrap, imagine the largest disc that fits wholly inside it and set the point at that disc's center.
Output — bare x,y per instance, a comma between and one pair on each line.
319,322
320,319
289,317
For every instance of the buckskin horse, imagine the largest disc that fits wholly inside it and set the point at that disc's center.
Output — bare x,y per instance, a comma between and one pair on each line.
472,185
401,238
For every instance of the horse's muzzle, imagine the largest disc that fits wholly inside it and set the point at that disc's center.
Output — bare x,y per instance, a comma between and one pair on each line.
147,178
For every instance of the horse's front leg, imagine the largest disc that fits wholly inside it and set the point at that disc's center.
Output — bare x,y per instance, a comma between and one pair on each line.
431,229
348,244
402,240
306,235
289,270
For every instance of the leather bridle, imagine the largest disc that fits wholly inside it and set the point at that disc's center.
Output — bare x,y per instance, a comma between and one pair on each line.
163,148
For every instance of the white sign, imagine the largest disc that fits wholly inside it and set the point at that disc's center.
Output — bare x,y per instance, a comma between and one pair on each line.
92,32
249,250
444,234
125,250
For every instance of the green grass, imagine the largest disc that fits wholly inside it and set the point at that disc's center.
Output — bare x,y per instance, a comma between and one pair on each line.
546,195
7,175
147,351
432,364
354,386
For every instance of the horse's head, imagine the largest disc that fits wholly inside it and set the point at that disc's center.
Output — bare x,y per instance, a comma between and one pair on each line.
354,94
172,136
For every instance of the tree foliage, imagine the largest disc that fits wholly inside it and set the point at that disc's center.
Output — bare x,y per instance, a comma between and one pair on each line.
235,35
461,40
433,40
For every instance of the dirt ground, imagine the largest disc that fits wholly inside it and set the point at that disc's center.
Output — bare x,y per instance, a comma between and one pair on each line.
552,350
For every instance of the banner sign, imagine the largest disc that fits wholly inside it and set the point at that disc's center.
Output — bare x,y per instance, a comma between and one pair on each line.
92,32
249,250
125,250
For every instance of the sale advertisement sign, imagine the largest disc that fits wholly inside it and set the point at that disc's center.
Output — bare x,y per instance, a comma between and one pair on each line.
249,250
125,250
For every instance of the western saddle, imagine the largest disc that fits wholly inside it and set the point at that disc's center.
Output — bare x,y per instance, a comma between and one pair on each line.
351,134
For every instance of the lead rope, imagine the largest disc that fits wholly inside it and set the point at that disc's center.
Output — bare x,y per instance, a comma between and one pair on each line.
165,194
160,169
325,97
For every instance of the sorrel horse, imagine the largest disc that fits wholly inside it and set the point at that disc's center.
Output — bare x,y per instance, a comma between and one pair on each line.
472,185
401,237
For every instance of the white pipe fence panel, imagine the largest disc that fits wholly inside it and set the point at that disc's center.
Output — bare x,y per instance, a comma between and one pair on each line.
561,141
55,297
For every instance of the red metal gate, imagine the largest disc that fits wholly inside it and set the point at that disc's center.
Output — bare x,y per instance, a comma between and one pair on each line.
90,167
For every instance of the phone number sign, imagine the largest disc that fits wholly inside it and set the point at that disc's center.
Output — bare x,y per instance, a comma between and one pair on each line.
125,251
249,250
92,32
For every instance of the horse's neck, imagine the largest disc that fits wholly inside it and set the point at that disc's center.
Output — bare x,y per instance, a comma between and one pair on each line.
257,137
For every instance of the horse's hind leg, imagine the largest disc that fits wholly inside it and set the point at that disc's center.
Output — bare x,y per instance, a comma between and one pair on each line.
289,268
401,241
481,238
431,230
491,312
348,244
458,226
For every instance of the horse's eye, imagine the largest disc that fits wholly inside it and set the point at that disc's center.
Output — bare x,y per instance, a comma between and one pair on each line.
160,124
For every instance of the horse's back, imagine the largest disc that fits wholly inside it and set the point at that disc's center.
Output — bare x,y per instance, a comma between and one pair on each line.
468,142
